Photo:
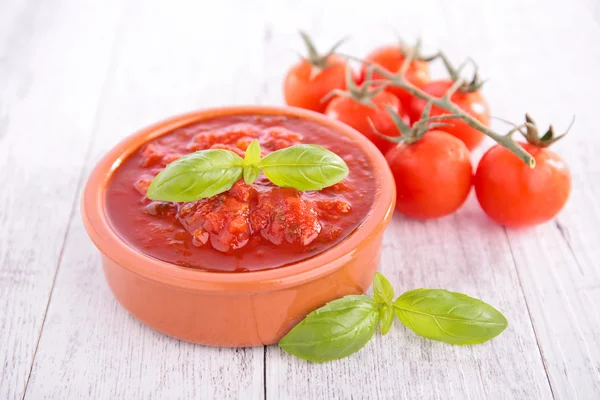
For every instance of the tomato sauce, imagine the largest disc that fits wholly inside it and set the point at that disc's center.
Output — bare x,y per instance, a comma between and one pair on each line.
250,227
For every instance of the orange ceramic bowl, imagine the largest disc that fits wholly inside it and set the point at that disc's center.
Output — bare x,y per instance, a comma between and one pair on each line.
234,309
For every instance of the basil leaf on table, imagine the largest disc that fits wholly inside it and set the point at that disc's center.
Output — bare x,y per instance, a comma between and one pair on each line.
383,294
344,326
304,167
449,317
334,331
383,291
196,176
386,315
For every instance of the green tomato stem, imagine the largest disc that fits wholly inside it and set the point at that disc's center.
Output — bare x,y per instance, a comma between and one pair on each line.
398,80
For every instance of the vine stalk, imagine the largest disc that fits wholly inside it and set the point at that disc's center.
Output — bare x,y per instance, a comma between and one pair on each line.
399,80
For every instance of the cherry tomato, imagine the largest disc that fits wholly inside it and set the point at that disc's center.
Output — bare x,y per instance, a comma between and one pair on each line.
472,103
433,175
357,115
300,89
515,195
391,58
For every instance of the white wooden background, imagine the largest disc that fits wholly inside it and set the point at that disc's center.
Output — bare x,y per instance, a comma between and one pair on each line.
76,76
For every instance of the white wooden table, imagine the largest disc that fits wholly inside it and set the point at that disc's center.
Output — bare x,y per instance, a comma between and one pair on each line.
76,76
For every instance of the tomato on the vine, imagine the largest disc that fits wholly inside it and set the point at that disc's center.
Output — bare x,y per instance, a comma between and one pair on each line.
431,168
433,175
312,78
391,58
357,114
513,194
301,89
472,102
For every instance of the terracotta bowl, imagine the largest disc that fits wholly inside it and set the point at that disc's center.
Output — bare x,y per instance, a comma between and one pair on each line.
234,309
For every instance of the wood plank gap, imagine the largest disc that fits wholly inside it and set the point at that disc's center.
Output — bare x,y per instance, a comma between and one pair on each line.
265,372
537,341
564,234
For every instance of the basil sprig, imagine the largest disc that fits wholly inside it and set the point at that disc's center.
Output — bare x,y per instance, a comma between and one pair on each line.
345,325
383,292
207,173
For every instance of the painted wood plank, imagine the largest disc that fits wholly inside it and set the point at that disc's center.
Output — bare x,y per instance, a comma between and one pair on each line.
53,60
169,60
556,262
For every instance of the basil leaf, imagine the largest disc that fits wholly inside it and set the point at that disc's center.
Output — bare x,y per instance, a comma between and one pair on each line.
252,156
449,317
196,176
334,331
386,314
304,167
250,174
383,291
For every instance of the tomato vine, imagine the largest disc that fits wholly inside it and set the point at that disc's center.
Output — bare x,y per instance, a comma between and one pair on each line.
399,80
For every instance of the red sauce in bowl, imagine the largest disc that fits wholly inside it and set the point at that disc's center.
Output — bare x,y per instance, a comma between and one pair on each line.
250,227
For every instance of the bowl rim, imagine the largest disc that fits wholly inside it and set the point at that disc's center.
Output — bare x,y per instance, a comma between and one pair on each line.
112,246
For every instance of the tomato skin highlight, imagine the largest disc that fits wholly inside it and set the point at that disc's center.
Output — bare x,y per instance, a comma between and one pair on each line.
357,115
433,176
472,103
515,195
391,58
300,90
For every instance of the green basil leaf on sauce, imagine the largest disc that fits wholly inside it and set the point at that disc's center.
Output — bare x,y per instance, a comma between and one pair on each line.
304,167
251,159
252,156
334,331
250,174
196,176
386,315
383,291
449,317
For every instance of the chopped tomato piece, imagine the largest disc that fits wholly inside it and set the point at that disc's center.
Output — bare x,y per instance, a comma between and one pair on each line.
281,216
